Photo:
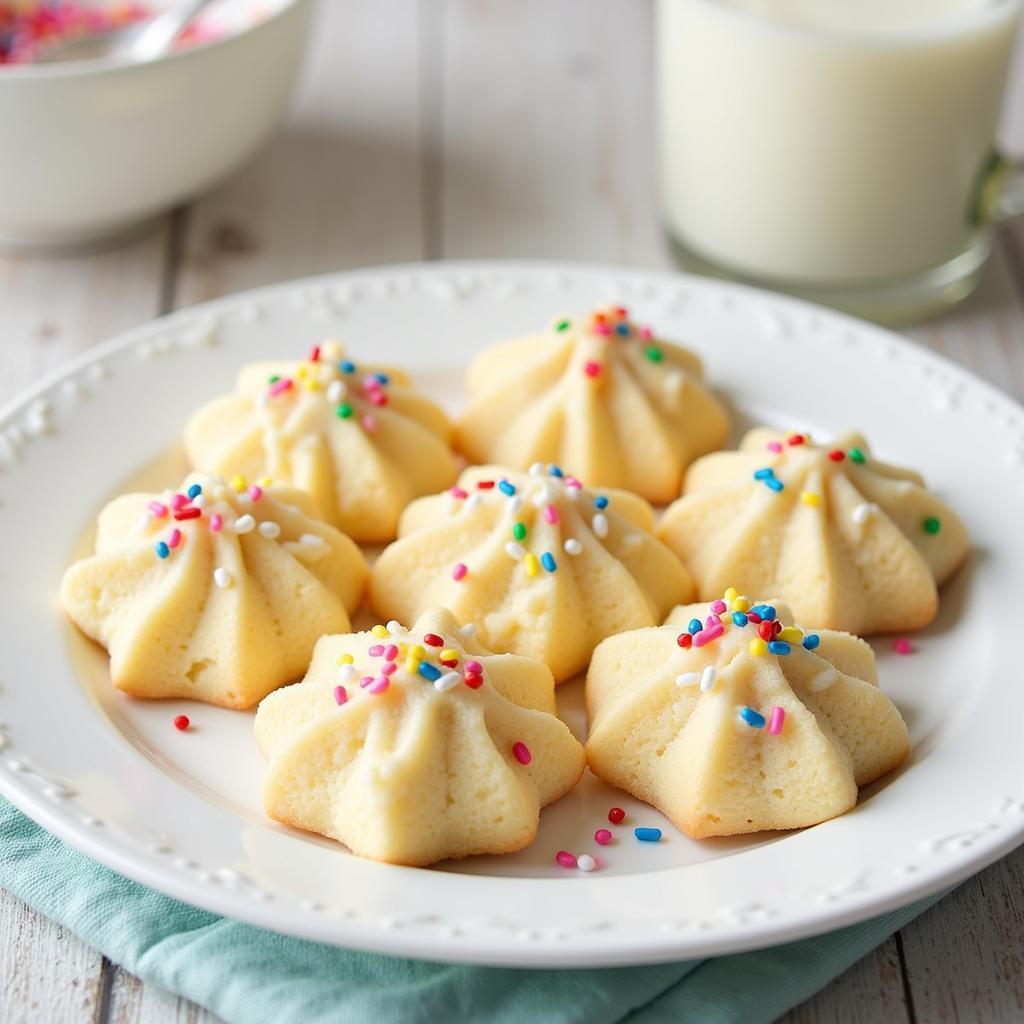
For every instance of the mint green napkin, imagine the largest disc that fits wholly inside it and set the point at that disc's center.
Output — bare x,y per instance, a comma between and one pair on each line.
251,976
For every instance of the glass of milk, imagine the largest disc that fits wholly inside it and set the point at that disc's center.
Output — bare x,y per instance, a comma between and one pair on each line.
839,149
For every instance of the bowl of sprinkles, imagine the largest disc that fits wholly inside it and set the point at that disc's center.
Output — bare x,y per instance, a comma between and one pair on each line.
93,148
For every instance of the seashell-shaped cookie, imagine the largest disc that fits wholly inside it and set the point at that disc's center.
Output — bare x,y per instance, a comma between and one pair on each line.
216,593
849,542
415,745
597,393
727,732
545,567
357,438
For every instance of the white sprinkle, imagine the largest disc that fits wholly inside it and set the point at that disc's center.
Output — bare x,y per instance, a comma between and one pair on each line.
473,500
222,577
707,678
394,627
863,512
824,680
674,384
537,469
335,391
514,550
572,493
600,525
687,679
544,496
270,529
145,522
312,540
585,862
515,503
572,546
200,501
468,629
346,673
447,682
243,524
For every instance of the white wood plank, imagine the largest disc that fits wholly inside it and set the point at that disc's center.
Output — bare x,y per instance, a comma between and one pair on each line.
133,1002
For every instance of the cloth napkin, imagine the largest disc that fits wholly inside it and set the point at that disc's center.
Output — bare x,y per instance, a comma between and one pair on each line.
248,975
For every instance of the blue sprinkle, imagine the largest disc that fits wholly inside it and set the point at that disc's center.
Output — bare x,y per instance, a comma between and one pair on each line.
429,671
756,610
555,470
764,474
601,501
739,618
811,641
194,491
548,561
694,627
773,484
752,718
622,329
778,647
648,835
506,488
162,549
347,366
768,612
381,378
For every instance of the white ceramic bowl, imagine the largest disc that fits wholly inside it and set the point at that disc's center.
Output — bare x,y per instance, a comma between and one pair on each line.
90,149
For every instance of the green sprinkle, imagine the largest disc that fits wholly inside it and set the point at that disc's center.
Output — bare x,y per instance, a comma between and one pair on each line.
856,455
563,325
653,353
519,531
344,411
273,378
931,525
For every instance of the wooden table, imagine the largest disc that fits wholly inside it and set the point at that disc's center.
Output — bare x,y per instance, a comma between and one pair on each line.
418,134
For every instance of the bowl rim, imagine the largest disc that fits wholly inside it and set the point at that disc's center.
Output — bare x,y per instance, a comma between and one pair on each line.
90,68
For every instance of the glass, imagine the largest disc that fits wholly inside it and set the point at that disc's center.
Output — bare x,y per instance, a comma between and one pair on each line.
843,152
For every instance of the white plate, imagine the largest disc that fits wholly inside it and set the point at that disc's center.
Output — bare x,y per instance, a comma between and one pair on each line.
179,811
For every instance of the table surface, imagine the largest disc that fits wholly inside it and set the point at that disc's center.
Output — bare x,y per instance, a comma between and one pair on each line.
416,135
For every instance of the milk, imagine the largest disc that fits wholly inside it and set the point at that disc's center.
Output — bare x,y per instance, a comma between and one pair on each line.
837,141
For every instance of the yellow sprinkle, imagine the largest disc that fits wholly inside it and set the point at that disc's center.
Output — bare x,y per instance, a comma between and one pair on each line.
740,604
730,595
792,635
412,665
810,498
312,384
265,481
403,649
532,564
344,659
380,631
239,483
301,371
418,652
758,647
448,654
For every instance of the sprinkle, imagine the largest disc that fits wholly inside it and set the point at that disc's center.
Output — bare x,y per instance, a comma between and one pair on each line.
531,565
862,513
380,378
616,815
449,654
791,635
280,386
779,647
603,836
902,645
369,423
340,695
459,571
548,561
458,492
314,354
601,501
188,513
255,492
181,723
222,577
931,525
739,618
774,485
705,636
519,531
194,491
365,682
707,678
514,550
473,681
375,650
775,720
347,366
506,488
563,325
244,524
474,667
158,510
824,679
758,648
484,485
603,329
175,538
270,529
468,629
429,672
388,668
378,398
346,673
565,859
216,522
550,514
572,546
447,682
592,368
585,862
718,607
687,679
694,626
773,446
433,640
795,439
653,354
394,627
685,640
856,455
811,641
344,659
178,501
767,611
752,718
343,411
599,525
811,499
379,685
646,333
521,752
648,835
379,631
764,473
554,470
836,455
765,630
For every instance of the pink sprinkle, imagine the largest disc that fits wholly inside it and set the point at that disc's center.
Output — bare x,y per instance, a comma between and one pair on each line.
774,446
645,332
340,695
705,636
255,492
376,650
902,645
378,397
216,522
388,668
603,836
711,621
178,502
602,329
592,368
458,492
175,538
158,509
522,753
379,685
279,386
371,384
550,514
571,481
718,607
565,858
365,681
474,668
459,571
390,652
369,423
775,720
